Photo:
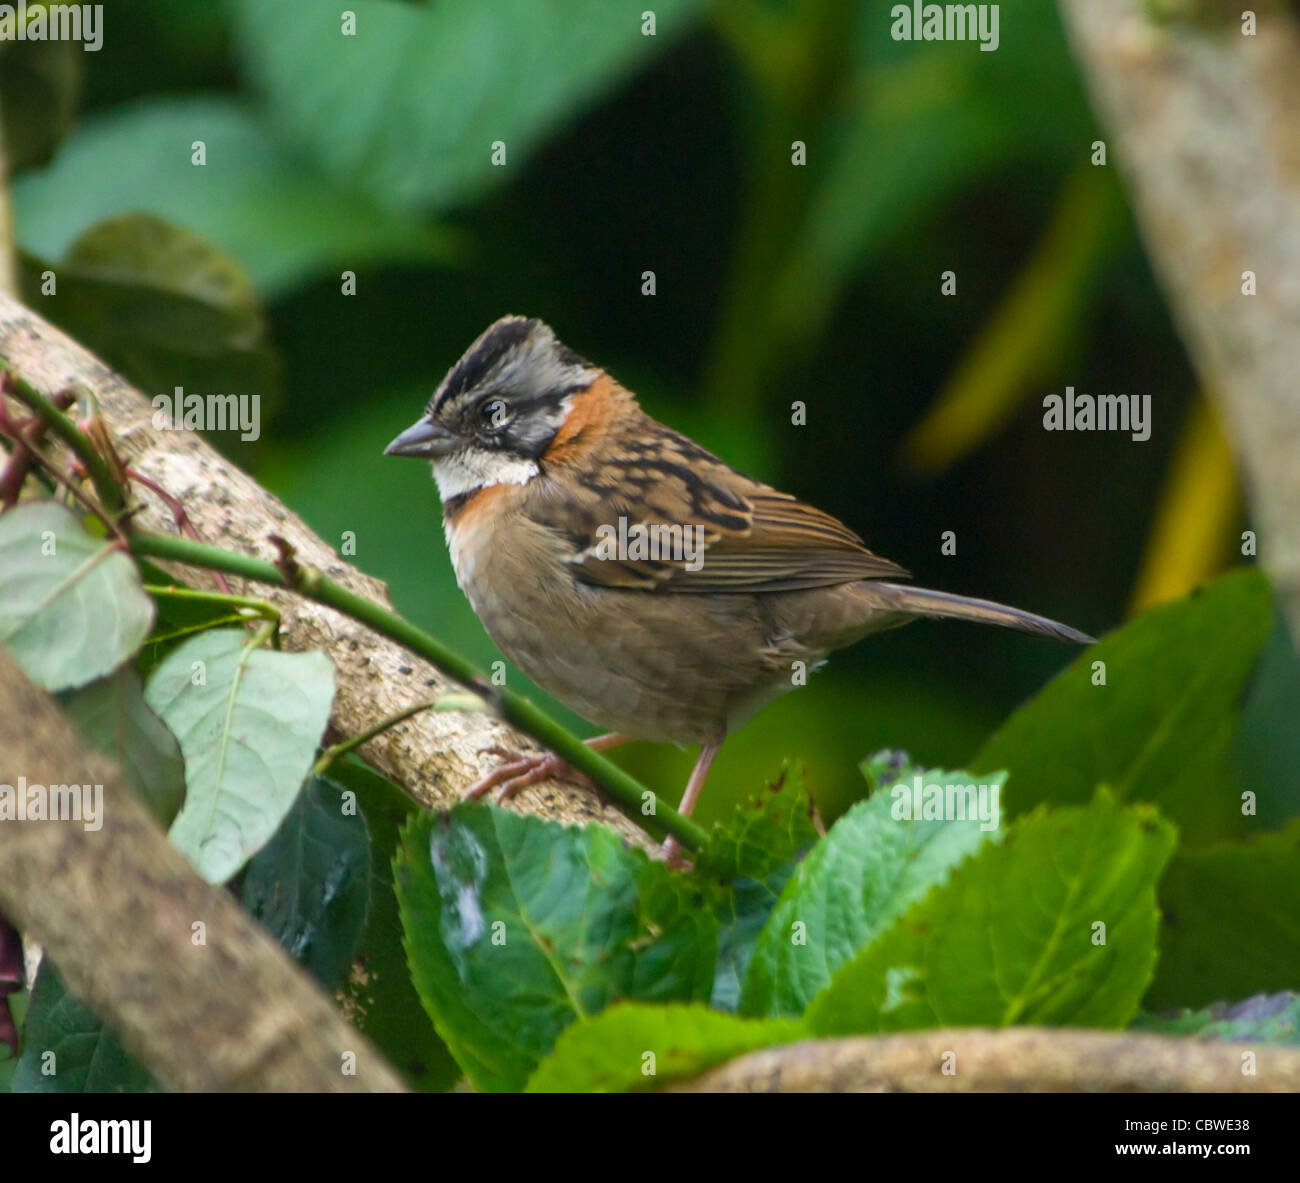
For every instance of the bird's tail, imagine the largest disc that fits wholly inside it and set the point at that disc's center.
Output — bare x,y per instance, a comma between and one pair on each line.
921,601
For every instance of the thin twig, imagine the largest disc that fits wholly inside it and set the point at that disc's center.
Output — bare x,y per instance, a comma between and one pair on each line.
442,702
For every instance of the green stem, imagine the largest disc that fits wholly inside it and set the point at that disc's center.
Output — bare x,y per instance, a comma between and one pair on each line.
256,641
443,702
69,433
247,605
626,792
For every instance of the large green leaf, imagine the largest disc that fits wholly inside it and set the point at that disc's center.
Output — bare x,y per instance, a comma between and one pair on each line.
1231,922
875,863
67,1050
1268,741
248,721
1016,936
280,219
408,108
516,926
378,997
113,718
631,1046
745,865
310,885
1161,727
71,606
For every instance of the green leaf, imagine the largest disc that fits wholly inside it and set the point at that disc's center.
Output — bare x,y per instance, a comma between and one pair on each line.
378,997
71,606
1267,1018
631,1046
40,82
114,719
248,721
875,863
86,1058
1231,925
162,306
146,250
280,219
1268,741
407,109
310,885
1161,728
745,865
1013,936
516,926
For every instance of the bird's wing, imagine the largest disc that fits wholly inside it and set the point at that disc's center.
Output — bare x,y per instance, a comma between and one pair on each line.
692,524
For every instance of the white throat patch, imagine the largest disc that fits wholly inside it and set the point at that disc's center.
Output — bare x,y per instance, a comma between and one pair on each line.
477,468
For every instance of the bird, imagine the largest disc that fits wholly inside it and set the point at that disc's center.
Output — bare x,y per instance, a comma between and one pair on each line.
628,571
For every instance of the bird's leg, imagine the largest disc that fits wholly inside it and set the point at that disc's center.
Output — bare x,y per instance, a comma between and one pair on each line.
521,771
672,849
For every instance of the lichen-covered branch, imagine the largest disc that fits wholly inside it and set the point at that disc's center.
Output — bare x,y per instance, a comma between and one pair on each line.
1017,1060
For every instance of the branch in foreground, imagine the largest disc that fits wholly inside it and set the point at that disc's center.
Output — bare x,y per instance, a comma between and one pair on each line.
1015,1059
232,1014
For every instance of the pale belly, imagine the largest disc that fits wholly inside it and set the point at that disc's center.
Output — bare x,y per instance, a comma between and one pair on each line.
682,669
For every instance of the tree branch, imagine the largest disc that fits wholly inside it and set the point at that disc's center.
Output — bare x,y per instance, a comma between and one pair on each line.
115,909
1016,1059
1205,118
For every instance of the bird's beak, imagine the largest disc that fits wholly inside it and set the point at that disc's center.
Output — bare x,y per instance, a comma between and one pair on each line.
424,439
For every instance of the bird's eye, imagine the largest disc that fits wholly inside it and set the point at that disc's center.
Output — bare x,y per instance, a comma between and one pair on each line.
496,412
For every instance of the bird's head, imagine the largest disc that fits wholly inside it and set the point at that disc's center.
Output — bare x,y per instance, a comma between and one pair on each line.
498,408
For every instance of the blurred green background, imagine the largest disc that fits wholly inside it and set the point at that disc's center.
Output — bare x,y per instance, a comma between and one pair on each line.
369,151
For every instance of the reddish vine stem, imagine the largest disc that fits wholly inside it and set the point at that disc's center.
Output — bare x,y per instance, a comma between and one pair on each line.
26,436
179,517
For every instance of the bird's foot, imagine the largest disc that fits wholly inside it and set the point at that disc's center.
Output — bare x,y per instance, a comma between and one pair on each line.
519,772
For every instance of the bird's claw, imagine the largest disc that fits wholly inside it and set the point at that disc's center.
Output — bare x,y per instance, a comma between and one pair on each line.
518,773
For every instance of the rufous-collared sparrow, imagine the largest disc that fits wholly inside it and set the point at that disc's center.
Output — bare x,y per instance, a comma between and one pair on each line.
631,573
